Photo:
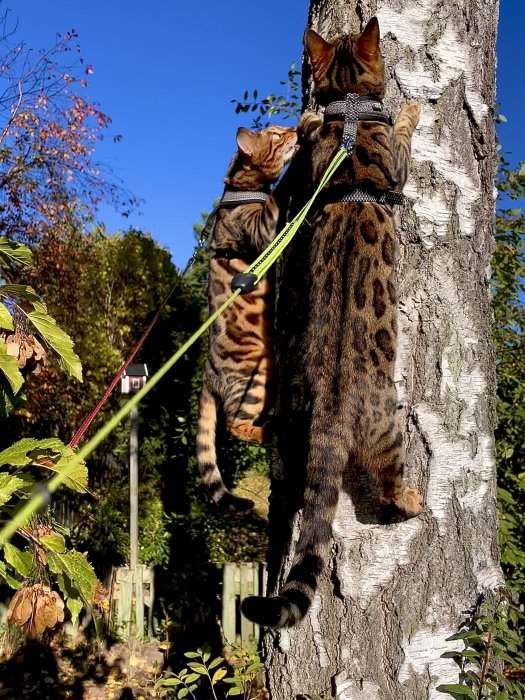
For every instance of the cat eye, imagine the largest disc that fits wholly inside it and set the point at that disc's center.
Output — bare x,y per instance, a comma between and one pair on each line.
276,137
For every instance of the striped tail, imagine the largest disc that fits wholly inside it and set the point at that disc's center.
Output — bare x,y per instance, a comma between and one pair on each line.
326,464
207,456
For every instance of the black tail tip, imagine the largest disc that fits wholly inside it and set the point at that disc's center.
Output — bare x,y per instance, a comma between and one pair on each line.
268,612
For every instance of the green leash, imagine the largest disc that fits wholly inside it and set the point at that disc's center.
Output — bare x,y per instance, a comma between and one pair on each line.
255,272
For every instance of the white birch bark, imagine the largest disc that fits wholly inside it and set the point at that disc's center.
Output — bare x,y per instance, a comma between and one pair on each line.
393,594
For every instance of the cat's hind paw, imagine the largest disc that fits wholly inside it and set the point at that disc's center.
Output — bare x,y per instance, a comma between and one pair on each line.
247,432
409,502
235,504
406,504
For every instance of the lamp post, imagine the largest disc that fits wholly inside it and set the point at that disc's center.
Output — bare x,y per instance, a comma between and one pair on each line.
134,379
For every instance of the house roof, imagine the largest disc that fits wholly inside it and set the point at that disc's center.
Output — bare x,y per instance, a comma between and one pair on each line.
136,370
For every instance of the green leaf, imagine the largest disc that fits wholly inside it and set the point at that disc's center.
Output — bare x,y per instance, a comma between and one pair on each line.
182,693
54,542
472,655
78,478
28,450
473,677
8,401
59,341
22,562
162,682
8,578
25,451
254,667
219,675
8,485
6,320
216,662
16,253
74,606
457,690
9,366
28,293
468,636
192,655
236,690
199,668
77,569
192,677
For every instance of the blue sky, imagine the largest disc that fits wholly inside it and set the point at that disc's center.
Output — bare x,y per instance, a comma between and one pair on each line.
165,71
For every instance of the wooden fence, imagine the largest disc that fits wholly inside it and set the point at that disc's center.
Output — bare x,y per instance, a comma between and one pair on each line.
239,581
130,593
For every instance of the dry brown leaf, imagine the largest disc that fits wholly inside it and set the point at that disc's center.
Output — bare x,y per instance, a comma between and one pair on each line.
20,607
36,608
13,346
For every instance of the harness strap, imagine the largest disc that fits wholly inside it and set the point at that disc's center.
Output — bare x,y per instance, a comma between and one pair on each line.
384,197
370,108
232,198
353,109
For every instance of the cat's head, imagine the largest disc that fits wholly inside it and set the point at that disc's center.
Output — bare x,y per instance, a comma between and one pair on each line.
263,153
351,63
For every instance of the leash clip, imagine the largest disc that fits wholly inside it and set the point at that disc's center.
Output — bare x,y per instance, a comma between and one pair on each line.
244,282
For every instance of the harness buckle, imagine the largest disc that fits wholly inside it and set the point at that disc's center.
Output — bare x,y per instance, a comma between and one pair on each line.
244,282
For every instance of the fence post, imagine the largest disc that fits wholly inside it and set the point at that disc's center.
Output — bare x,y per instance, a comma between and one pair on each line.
239,581
228,603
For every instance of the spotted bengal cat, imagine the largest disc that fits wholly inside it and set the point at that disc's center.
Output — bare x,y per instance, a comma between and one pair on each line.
350,342
240,363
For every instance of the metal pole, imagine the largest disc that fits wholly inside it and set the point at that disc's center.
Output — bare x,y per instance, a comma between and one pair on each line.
134,491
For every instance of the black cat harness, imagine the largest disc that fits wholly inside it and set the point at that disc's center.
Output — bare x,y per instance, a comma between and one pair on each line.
353,109
233,198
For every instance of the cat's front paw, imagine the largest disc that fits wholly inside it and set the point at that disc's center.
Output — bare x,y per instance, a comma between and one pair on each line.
409,502
411,113
308,123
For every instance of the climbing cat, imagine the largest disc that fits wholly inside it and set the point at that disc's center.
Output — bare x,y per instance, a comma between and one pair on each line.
240,363
350,341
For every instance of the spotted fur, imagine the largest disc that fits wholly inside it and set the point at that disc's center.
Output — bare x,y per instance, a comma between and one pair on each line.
239,369
350,343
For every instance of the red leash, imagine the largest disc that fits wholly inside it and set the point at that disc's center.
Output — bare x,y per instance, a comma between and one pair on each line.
85,425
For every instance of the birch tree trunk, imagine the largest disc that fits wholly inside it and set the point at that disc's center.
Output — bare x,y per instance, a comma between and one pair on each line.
393,594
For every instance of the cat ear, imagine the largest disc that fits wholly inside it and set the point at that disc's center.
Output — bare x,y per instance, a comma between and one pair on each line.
246,140
368,42
320,53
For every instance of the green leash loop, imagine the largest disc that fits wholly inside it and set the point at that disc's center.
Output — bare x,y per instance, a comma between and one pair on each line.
259,268
263,263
